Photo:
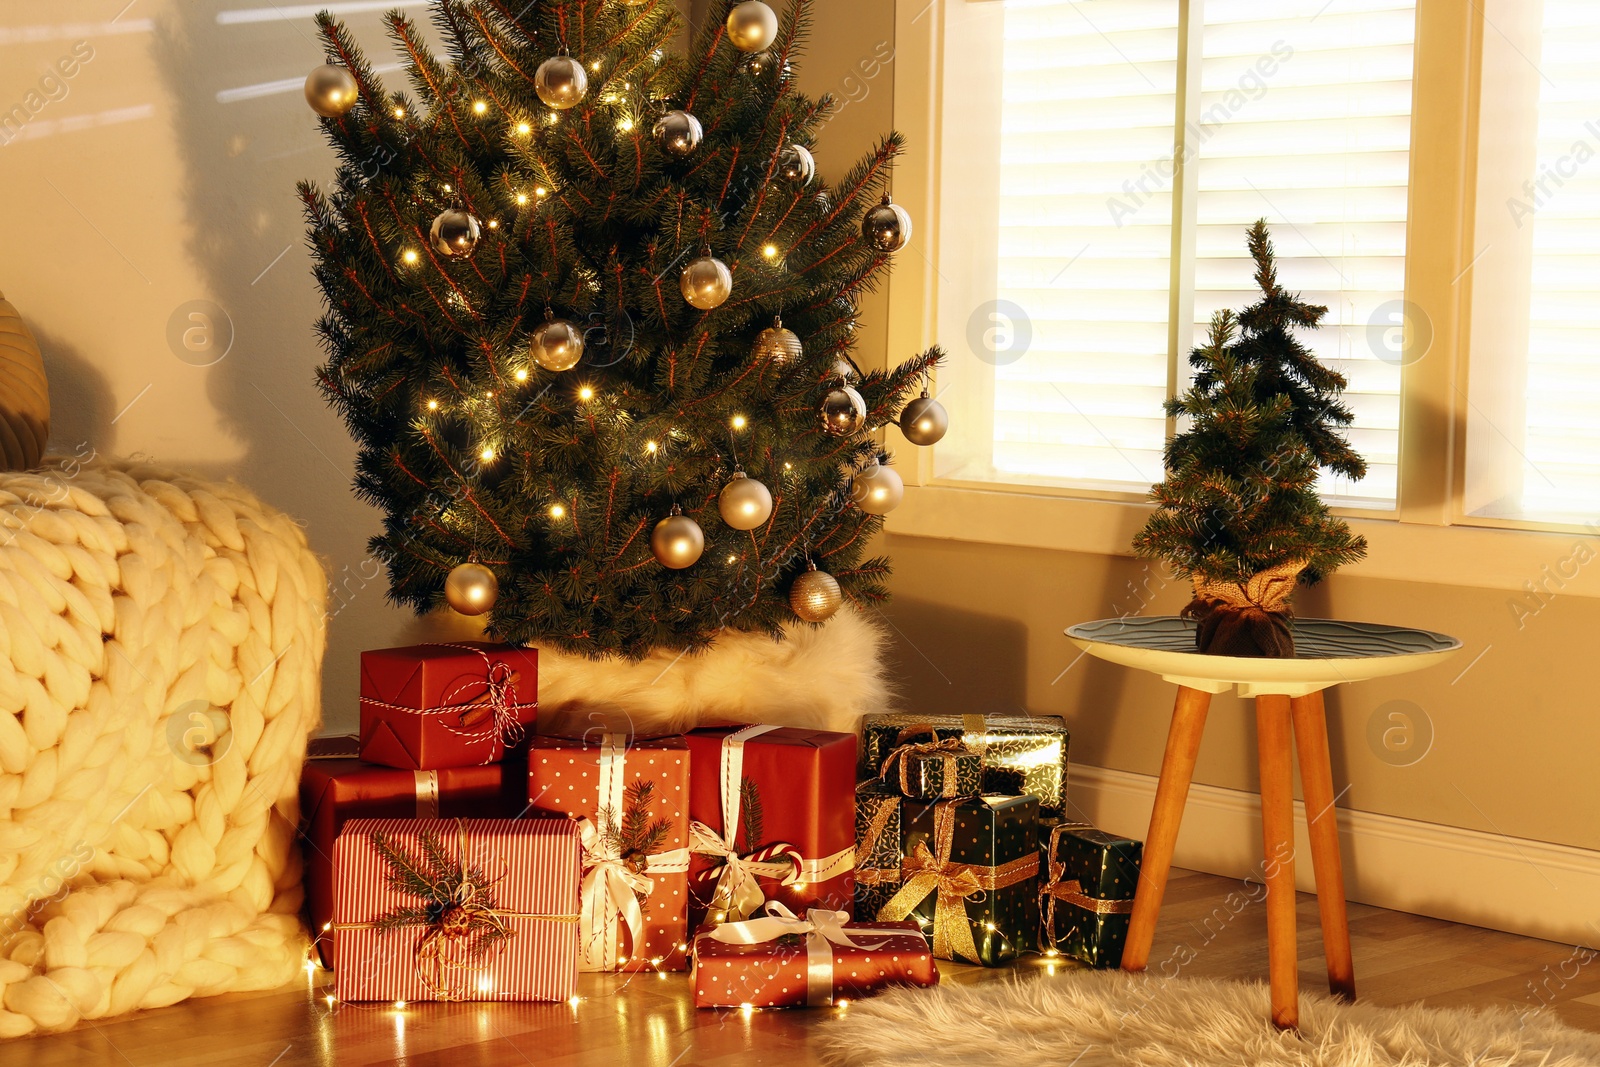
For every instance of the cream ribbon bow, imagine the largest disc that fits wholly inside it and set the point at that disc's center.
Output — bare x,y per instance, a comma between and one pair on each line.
821,928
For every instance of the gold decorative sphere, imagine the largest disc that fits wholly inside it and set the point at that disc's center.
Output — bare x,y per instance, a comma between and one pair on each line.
752,26
556,345
678,133
797,165
815,595
561,82
777,345
471,588
887,226
331,90
744,503
706,282
677,541
924,420
877,490
843,411
455,233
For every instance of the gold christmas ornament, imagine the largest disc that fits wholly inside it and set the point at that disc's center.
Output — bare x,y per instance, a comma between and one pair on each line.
777,345
877,490
815,595
455,233
757,64
561,82
677,132
744,503
471,588
886,227
331,90
752,27
843,411
677,540
924,420
24,393
706,282
844,370
557,344
796,164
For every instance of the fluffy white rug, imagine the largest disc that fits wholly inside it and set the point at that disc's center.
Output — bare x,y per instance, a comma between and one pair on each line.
161,644
819,677
1112,1019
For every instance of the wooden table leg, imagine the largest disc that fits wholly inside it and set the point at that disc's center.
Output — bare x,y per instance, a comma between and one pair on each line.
1177,768
1316,778
1273,741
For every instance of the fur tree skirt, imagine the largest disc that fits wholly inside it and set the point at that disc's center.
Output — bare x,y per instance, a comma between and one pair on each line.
163,642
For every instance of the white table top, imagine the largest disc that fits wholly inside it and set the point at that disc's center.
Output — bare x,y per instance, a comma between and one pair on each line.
1327,652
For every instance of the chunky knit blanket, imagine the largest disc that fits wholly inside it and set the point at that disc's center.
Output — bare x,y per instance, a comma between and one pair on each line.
161,643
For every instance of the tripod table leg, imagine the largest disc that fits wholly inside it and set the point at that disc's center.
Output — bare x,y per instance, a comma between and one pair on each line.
1273,742
1316,778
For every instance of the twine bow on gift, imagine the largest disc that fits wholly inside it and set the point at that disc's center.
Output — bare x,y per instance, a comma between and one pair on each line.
497,703
931,871
821,928
1061,889
906,750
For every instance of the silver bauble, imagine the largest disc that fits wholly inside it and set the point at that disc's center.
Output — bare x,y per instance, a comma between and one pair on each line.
677,132
455,233
744,503
877,490
331,90
924,420
886,227
556,345
797,165
815,595
561,82
677,541
843,411
471,588
752,27
706,282
777,345
844,370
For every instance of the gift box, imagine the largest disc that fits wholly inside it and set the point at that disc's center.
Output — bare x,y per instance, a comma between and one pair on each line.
933,769
772,818
779,960
878,850
1020,754
456,909
970,876
1086,901
426,707
631,798
334,791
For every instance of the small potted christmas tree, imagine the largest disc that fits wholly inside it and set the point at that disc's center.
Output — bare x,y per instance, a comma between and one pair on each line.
1238,513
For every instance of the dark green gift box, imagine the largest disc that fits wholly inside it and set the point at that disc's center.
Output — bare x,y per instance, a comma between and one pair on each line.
1019,753
1087,894
878,850
981,856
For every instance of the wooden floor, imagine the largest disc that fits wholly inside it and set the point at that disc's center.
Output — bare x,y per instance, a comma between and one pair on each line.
649,1021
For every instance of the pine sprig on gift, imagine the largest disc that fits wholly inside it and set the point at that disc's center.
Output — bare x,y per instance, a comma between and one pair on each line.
640,833
752,815
406,874
437,879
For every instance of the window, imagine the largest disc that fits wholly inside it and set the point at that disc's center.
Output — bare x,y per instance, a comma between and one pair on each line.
1135,146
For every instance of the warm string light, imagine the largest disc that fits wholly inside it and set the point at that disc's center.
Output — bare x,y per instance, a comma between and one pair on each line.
524,129
399,112
479,107
651,447
739,422
409,257
770,251
557,511
522,198
626,125
585,393
541,192
433,405
520,374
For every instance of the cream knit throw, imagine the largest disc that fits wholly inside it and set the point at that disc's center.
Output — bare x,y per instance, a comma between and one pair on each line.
144,613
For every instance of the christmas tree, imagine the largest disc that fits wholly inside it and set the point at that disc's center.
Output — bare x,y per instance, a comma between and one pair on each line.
1239,512
589,320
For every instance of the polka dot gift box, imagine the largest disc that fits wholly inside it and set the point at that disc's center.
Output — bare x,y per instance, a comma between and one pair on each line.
1087,900
631,799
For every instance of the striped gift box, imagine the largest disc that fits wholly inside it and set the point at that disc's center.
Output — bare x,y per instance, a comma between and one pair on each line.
531,866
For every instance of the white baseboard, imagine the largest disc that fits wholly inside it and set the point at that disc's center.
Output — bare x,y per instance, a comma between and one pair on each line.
1468,876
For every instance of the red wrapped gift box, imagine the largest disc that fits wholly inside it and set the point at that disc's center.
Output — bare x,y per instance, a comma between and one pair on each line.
632,798
779,960
334,791
492,912
458,705
773,817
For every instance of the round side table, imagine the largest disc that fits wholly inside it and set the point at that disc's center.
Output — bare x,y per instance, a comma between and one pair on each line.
1288,693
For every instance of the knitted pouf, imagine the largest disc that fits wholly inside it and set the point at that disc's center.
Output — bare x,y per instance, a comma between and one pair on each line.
161,643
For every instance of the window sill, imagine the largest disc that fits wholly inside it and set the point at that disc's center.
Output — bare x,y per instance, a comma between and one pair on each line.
1470,556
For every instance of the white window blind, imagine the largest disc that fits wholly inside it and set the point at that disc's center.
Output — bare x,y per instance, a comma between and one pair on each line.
1302,116
1533,437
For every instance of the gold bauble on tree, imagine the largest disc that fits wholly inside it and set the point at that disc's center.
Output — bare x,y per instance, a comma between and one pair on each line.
815,595
678,133
677,540
557,344
777,345
471,588
887,226
924,420
843,411
455,233
24,393
752,27
744,503
331,90
561,82
877,490
706,282
797,165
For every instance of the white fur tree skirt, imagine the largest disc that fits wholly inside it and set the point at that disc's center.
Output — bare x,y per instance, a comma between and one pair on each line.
162,643
1112,1019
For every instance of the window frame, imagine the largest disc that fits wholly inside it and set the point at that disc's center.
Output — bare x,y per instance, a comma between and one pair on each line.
1428,536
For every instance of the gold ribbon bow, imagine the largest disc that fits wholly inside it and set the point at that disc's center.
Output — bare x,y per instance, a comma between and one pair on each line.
947,750
930,871
1061,889
821,928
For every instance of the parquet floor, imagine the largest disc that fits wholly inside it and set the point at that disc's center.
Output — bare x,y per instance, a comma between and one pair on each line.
649,1021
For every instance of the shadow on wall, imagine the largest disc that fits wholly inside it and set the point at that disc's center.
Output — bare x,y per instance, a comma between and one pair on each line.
85,423
948,661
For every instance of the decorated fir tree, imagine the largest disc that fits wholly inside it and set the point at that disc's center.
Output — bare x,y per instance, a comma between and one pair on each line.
1239,512
589,319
